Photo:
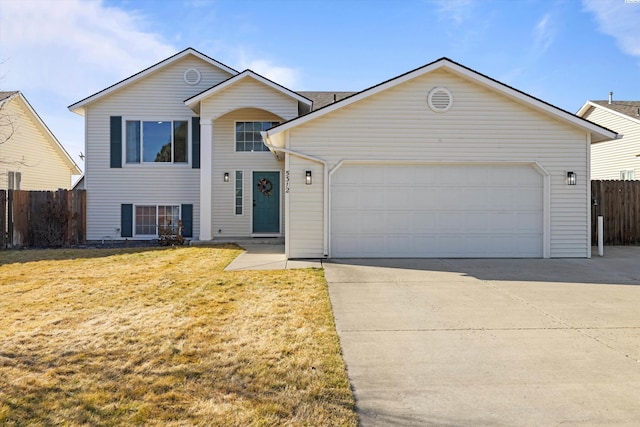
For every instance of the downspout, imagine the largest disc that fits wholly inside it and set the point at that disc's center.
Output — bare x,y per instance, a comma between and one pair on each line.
325,172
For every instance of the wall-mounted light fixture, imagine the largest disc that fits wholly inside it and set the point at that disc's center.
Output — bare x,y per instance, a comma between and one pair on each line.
571,178
307,177
226,177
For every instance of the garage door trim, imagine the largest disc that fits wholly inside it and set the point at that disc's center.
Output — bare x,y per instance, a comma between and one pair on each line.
546,188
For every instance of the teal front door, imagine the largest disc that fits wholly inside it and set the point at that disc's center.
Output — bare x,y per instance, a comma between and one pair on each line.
266,202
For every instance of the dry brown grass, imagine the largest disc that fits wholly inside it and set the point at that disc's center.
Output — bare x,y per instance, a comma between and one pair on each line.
165,337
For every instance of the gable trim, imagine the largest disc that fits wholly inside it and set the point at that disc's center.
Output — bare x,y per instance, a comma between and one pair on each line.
73,167
78,107
583,110
486,81
194,100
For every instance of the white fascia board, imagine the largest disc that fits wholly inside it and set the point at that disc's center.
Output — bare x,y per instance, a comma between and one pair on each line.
78,107
589,104
193,101
601,132
75,170
354,98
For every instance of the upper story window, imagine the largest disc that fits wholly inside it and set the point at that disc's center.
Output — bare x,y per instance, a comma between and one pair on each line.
14,179
248,136
627,175
157,141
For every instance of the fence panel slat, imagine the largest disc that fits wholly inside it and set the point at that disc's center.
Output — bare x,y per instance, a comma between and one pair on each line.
619,203
46,218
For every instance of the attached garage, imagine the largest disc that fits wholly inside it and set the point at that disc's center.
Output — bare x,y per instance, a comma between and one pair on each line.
436,210
442,162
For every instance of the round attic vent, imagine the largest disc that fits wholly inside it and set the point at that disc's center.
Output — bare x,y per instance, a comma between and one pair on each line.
440,99
192,76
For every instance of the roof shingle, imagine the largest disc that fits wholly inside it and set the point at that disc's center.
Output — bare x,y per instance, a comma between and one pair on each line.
629,108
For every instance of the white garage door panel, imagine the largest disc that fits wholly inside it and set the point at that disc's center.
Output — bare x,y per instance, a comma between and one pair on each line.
436,211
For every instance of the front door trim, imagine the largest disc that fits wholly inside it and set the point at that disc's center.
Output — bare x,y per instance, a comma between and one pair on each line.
277,233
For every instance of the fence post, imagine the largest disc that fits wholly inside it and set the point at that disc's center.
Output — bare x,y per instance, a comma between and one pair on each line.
600,236
3,218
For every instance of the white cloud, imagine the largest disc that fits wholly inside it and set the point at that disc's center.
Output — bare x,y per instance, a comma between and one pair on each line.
457,11
58,52
285,76
620,20
544,34
73,47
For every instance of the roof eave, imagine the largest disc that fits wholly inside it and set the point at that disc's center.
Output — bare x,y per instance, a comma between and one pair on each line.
600,133
73,167
76,107
194,102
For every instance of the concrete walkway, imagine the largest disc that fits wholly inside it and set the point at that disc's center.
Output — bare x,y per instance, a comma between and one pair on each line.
267,257
461,342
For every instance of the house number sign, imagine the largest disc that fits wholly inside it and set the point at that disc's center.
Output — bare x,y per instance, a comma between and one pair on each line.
286,181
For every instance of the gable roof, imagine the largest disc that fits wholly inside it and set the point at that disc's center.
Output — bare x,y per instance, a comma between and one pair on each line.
17,95
322,99
78,107
6,95
627,109
194,101
599,133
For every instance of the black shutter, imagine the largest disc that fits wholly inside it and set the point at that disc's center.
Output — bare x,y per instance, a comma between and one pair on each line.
116,141
126,220
195,142
187,220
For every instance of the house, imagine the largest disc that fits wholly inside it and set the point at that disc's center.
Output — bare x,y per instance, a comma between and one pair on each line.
441,161
619,158
31,158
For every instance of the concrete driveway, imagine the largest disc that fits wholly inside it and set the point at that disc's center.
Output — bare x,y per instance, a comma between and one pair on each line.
452,342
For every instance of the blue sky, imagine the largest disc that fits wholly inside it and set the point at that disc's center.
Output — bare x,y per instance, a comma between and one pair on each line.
562,51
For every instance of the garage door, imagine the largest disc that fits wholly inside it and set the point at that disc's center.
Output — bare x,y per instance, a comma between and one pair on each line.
469,211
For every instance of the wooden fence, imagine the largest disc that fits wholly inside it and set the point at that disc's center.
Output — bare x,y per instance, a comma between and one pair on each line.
619,203
43,218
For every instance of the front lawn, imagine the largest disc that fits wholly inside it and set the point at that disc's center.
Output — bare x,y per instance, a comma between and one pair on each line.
164,337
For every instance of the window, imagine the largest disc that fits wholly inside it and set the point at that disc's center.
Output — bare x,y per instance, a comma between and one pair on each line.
239,194
14,179
248,136
156,141
151,219
627,175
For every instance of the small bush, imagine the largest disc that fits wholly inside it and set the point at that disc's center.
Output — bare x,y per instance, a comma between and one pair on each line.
170,236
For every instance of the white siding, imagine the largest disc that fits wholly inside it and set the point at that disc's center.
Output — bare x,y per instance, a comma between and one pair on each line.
249,93
481,126
226,159
159,96
247,100
32,152
610,157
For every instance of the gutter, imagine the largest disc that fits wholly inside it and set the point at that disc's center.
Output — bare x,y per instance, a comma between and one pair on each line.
325,171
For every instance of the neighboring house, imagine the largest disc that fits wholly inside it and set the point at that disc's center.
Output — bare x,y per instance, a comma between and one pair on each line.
619,158
441,161
31,158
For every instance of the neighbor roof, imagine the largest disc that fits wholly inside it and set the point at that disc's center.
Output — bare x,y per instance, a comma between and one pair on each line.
630,108
322,99
5,95
8,96
599,133
78,107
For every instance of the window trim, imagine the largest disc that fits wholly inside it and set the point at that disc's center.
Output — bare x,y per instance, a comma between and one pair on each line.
235,141
141,119
157,206
627,175
14,179
235,189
